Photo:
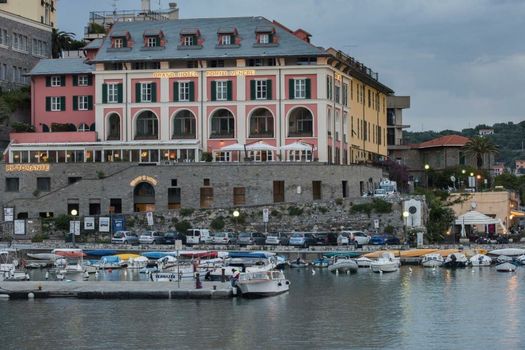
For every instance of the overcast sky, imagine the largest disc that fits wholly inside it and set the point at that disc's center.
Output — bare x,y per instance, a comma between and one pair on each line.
461,61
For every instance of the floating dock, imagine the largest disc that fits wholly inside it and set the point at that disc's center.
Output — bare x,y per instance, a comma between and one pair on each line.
114,290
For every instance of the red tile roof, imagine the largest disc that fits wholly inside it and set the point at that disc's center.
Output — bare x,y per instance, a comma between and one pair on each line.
445,141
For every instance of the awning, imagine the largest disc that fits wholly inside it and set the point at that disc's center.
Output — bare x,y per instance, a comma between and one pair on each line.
233,147
297,146
476,218
260,146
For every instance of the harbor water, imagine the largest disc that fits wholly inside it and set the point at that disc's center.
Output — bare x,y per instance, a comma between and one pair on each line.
415,308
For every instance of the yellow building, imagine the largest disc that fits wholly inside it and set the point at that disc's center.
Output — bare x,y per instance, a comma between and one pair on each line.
367,102
39,11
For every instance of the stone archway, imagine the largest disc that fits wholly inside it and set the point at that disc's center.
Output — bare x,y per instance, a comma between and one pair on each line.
143,197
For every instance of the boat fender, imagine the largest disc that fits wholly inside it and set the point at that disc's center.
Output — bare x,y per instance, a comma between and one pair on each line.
279,284
287,282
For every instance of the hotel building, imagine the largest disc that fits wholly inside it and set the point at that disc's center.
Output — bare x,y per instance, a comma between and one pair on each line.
227,93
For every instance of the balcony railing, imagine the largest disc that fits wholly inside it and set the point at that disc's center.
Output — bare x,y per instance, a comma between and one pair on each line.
184,136
222,134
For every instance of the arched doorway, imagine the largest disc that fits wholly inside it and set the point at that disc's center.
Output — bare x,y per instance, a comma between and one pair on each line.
147,126
143,198
114,127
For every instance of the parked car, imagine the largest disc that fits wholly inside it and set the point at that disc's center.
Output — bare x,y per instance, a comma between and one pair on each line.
343,239
151,237
358,238
209,239
277,238
251,238
384,240
302,239
197,235
326,238
224,238
125,237
171,237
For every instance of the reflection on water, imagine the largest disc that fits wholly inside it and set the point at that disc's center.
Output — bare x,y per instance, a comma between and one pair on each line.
413,309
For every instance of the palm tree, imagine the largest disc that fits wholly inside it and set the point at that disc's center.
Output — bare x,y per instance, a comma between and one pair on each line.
478,147
61,41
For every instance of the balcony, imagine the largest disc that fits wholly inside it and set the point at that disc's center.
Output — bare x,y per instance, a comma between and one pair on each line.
222,134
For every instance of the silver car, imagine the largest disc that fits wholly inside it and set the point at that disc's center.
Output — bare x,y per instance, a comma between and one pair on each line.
124,237
276,238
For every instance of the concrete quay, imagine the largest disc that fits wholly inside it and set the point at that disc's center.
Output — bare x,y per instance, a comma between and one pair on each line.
114,290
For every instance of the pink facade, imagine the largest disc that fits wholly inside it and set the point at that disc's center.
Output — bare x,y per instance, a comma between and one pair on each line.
53,137
41,117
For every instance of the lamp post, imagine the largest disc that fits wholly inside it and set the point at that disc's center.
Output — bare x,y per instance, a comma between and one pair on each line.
74,213
427,168
235,217
478,179
405,221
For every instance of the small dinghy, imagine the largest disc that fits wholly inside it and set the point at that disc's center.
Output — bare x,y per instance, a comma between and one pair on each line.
504,259
298,264
456,260
343,266
506,267
480,260
432,260
363,262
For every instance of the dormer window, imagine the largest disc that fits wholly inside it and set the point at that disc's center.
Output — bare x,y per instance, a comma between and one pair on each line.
227,37
152,41
153,38
118,43
226,40
119,40
264,38
189,40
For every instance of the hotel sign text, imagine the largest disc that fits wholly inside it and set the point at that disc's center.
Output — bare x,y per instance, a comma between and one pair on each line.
211,73
26,167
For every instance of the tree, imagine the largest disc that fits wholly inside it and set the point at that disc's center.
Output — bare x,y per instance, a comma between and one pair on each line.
479,147
60,41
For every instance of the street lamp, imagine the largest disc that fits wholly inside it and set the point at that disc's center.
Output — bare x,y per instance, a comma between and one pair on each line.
427,167
478,179
74,213
236,217
406,214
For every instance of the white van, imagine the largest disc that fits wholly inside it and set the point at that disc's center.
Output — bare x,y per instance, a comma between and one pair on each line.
197,236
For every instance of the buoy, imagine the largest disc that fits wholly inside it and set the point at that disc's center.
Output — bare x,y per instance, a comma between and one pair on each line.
30,296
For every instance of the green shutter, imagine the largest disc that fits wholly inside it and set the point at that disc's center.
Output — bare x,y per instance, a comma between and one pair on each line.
63,103
75,103
229,85
269,89
270,38
120,95
75,80
138,96
253,94
104,93
90,80
62,80
157,41
153,92
175,91
308,89
124,42
48,104
291,85
214,91
48,81
90,103
192,91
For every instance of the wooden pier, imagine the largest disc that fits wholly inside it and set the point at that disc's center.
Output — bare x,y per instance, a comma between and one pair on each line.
114,290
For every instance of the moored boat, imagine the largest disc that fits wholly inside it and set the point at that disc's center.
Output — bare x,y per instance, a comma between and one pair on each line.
343,266
262,284
455,260
43,256
100,252
432,260
506,267
508,252
386,263
363,262
480,260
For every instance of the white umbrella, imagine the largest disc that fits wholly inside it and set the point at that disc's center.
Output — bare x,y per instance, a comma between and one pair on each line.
233,147
260,146
297,146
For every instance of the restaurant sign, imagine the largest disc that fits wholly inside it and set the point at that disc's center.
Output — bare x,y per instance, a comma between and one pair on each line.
10,168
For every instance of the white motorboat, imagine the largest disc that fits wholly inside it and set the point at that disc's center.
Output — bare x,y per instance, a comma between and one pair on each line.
262,284
343,266
504,259
432,260
480,260
363,262
506,267
43,256
455,260
386,263
521,259
137,263
9,265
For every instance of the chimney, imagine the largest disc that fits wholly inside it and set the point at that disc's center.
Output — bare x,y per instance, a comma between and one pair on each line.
146,5
173,12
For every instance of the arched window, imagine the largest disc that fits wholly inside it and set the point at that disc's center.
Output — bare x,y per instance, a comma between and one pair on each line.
261,123
92,127
300,123
147,126
222,124
114,127
83,127
184,125
45,128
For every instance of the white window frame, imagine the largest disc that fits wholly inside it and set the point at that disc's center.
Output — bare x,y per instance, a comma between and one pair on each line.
3,38
264,38
337,94
300,89
83,80
261,89
83,127
145,92
226,39
222,90
118,43
112,93
83,103
300,156
184,91
257,156
56,81
151,41
56,104
223,156
188,40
